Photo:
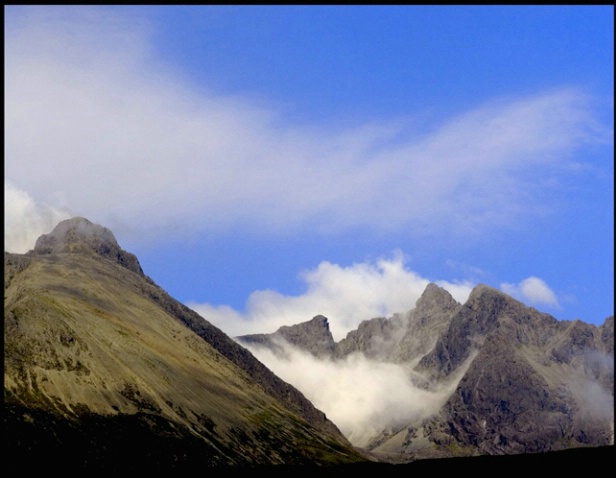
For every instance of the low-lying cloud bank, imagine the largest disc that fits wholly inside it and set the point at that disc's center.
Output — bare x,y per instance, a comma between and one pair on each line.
362,397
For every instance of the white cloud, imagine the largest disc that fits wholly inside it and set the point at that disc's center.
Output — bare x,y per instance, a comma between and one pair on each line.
25,220
531,290
345,295
360,396
96,124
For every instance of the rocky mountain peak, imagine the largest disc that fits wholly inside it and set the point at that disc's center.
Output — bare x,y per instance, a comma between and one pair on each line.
491,305
510,378
435,297
312,336
481,289
73,231
319,326
79,235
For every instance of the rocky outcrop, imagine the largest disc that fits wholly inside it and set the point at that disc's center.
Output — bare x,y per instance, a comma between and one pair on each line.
79,235
401,338
607,335
374,338
520,381
313,336
425,324
487,311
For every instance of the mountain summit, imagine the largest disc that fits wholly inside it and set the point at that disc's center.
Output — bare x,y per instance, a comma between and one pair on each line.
505,378
313,336
79,235
104,370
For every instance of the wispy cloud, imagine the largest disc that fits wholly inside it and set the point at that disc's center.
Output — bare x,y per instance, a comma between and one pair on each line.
25,220
345,295
533,291
362,397
94,123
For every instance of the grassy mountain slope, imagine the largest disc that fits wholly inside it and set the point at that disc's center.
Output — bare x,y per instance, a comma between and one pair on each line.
102,367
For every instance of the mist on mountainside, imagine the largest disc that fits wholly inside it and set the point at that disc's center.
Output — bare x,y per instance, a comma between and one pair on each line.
360,395
517,379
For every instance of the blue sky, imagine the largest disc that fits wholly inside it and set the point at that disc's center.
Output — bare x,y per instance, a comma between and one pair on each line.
267,164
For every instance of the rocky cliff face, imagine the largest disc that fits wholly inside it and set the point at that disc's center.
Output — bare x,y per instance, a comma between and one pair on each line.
103,369
82,236
529,385
521,381
313,336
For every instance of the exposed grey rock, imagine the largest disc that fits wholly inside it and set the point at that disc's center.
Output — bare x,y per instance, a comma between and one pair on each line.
79,235
523,382
522,391
313,336
374,338
607,335
403,338
425,324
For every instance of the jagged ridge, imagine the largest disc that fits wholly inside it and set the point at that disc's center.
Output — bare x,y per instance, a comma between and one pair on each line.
523,381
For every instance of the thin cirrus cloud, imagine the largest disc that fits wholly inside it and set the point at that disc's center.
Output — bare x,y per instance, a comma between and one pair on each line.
533,291
91,110
345,295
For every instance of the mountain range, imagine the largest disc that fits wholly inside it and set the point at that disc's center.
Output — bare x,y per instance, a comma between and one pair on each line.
103,370
506,378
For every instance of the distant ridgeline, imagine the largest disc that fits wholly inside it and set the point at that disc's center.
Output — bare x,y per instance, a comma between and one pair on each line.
518,380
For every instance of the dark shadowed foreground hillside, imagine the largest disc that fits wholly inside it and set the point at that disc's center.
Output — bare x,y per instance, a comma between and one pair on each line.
105,371
557,462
